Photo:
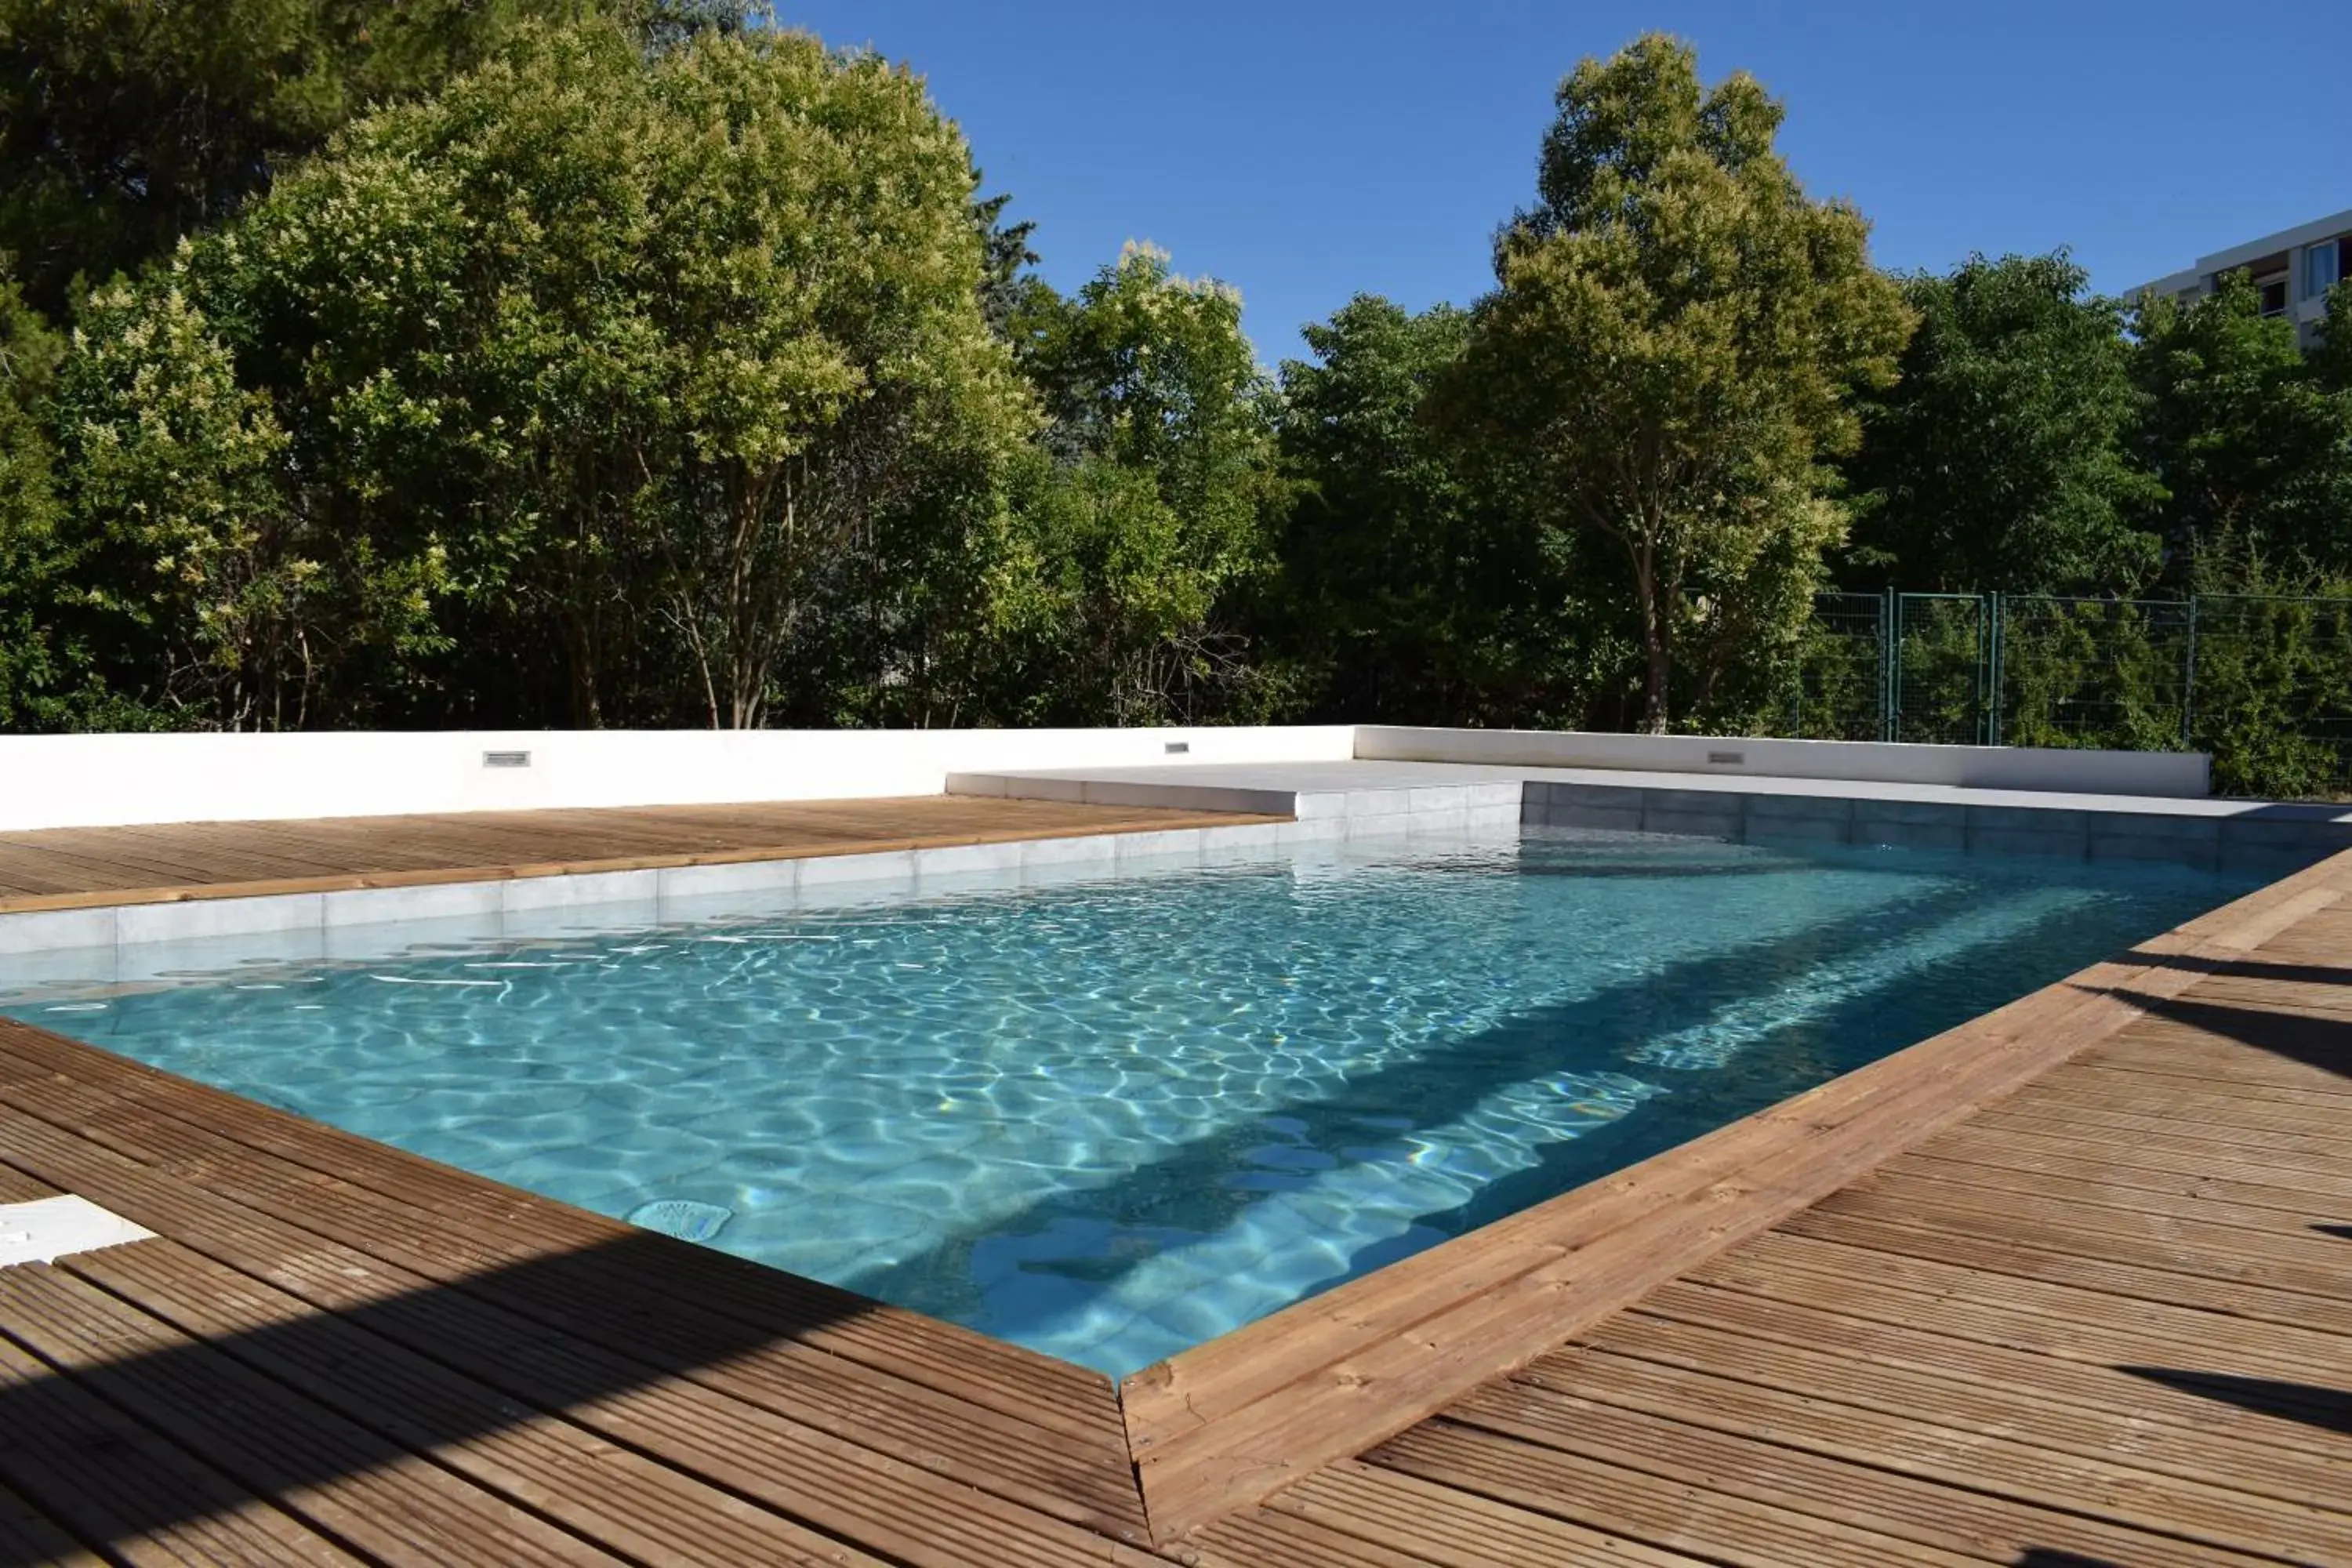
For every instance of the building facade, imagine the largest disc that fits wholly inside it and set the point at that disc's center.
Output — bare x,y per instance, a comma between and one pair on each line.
2291,270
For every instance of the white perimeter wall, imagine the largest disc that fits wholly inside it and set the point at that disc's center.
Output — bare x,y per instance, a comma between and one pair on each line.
82,780
2178,773
87,781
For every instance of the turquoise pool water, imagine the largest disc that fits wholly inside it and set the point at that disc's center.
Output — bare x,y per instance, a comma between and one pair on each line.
1113,1120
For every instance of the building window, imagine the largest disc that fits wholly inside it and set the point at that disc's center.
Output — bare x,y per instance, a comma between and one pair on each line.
2322,265
2274,294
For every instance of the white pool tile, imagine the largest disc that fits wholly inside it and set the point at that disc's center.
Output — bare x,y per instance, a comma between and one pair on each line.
43,930
195,919
438,901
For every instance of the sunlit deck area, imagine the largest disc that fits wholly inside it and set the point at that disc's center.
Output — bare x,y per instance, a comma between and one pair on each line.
81,867
2069,1285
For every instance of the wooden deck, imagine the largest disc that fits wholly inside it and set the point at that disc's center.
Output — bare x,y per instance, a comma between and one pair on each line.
335,1352
2069,1285
83,867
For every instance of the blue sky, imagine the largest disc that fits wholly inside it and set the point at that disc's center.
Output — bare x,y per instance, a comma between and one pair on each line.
1307,150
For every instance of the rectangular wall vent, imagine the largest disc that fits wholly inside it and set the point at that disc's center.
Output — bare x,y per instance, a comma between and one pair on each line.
506,759
1177,748
1726,759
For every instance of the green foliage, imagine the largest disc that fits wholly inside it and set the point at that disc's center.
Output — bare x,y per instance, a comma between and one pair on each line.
2111,673
1404,595
189,569
1670,356
2253,442
2273,698
1147,506
619,357
2002,459
126,124
29,560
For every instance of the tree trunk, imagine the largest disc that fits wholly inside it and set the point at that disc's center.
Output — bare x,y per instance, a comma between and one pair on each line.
1653,698
1659,663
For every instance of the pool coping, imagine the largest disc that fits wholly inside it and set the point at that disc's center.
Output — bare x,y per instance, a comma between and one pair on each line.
115,918
2227,836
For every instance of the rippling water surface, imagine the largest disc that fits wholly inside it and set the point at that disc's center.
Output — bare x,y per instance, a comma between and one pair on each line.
1113,1120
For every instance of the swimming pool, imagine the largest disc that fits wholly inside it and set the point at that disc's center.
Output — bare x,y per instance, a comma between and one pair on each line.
1110,1119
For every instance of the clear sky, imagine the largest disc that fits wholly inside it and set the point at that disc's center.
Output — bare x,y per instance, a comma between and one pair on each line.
1308,150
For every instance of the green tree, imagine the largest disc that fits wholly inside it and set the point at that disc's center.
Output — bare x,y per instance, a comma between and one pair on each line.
187,566
1404,594
1375,549
29,551
608,363
2246,432
2331,359
1145,508
2004,457
125,124
1670,357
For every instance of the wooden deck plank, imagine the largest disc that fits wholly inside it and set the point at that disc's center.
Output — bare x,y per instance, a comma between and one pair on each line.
2234,1297
833,1485
1717,1526
1036,1389
1819,1370
1444,1525
83,867
394,1506
2006,1309
97,1472
16,1187
635,1302
27,1536
1728,1464
2090,1385
604,1492
1923,1445
2162,1165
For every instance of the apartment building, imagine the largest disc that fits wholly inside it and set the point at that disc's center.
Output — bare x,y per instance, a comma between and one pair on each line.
2293,270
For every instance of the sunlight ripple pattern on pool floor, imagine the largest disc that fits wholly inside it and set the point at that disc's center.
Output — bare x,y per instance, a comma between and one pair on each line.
1112,1119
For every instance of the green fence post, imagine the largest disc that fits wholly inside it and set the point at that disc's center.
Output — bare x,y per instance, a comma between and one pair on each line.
1993,697
1894,698
2189,678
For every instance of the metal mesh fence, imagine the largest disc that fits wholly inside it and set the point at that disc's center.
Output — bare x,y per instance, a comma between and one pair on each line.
1943,670
2265,684
1839,689
2110,673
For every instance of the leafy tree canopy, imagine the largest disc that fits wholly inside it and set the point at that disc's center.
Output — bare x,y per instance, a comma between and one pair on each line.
1151,499
1671,352
2249,436
1381,592
127,123
604,359
2003,456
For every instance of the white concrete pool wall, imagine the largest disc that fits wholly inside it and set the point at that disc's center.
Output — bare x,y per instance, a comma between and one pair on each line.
112,780
2174,773
97,781
1363,797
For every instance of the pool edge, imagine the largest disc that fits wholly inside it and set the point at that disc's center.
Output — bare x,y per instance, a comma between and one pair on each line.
1215,1428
